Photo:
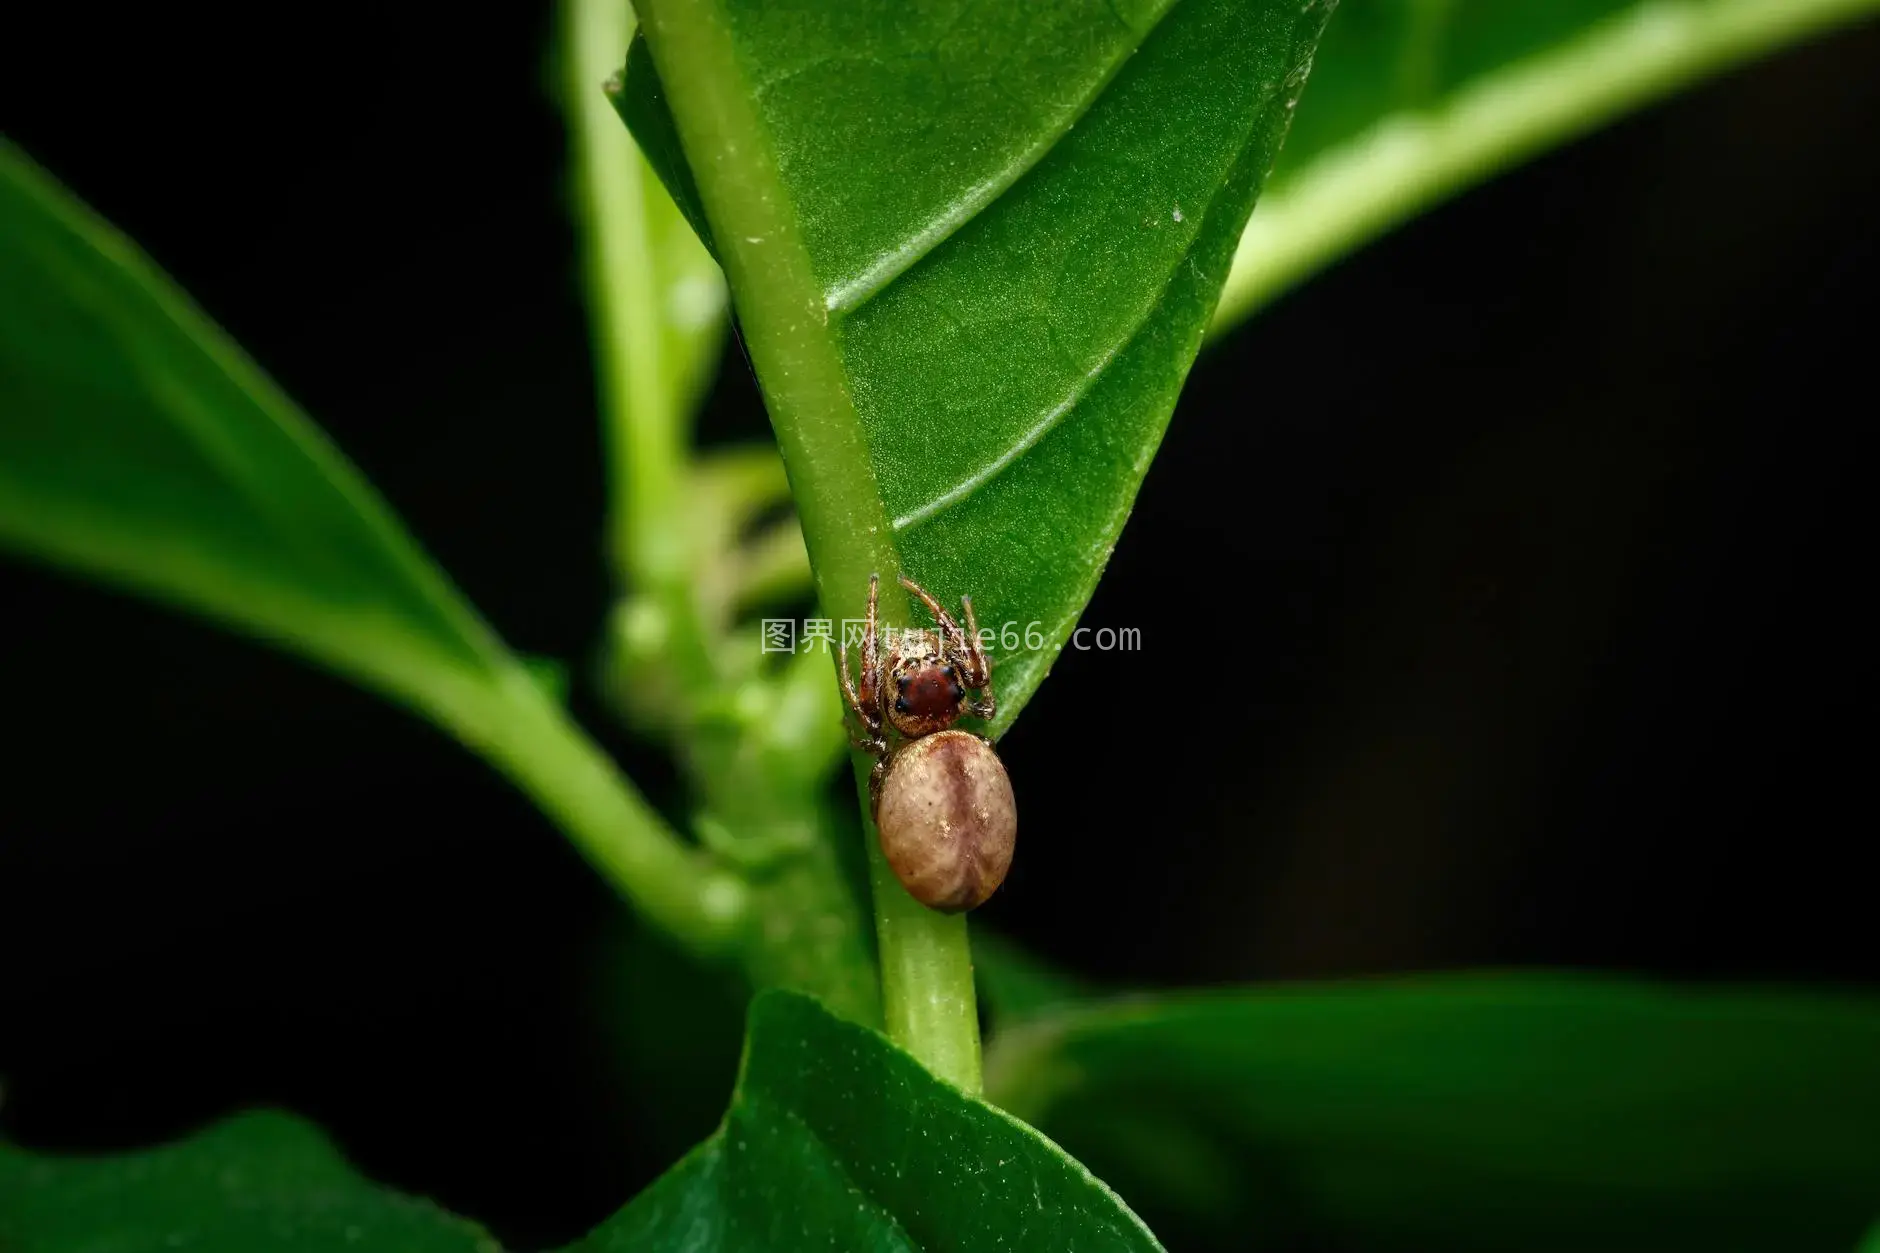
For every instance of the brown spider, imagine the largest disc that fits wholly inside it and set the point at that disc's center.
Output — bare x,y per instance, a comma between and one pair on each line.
923,687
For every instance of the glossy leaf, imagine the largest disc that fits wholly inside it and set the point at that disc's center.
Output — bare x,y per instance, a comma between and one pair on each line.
836,1139
136,442
140,447
262,1180
1016,224
1472,1112
1414,102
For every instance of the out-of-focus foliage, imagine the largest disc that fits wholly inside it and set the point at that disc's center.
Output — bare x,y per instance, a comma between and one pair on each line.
1471,1112
262,1180
1413,101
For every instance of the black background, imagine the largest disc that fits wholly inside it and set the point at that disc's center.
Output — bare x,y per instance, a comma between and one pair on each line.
1498,595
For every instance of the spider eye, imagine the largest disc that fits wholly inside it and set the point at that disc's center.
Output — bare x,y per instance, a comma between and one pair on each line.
955,692
900,702
900,681
947,671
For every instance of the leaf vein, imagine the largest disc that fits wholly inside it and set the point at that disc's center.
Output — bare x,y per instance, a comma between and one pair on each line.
1051,419
783,1111
852,294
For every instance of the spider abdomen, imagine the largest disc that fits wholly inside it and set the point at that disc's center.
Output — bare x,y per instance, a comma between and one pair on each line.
947,820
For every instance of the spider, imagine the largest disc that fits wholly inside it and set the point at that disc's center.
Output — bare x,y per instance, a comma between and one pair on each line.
921,687
942,802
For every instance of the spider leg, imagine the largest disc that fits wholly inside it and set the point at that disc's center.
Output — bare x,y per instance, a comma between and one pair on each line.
940,615
867,702
978,665
871,652
955,640
863,710
875,777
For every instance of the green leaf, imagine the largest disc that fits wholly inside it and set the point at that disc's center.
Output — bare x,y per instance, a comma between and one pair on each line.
972,261
140,447
1473,1112
139,444
1413,102
258,1181
836,1139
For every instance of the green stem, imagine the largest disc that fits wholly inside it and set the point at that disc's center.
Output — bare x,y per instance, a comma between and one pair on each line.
534,743
926,977
1363,187
645,430
781,311
785,321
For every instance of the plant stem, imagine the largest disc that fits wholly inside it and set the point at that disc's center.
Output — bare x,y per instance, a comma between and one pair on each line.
783,314
512,723
1359,189
926,976
780,306
644,428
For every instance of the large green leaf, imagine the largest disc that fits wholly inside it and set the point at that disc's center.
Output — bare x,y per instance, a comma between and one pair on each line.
1472,1112
258,1181
1413,101
836,1139
973,256
139,445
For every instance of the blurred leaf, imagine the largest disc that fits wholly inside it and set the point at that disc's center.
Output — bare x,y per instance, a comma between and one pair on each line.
1472,1112
258,1181
1017,984
836,1139
139,446
996,245
1413,101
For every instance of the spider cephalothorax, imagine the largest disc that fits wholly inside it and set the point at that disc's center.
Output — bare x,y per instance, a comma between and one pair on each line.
921,685
942,803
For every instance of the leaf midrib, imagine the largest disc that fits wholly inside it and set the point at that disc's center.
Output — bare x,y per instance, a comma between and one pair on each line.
782,313
755,1105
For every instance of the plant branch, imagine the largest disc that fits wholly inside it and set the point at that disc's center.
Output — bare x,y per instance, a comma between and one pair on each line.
510,722
644,424
927,995
1408,162
785,322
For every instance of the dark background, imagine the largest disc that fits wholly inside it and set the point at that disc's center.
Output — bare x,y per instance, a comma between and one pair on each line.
1530,533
